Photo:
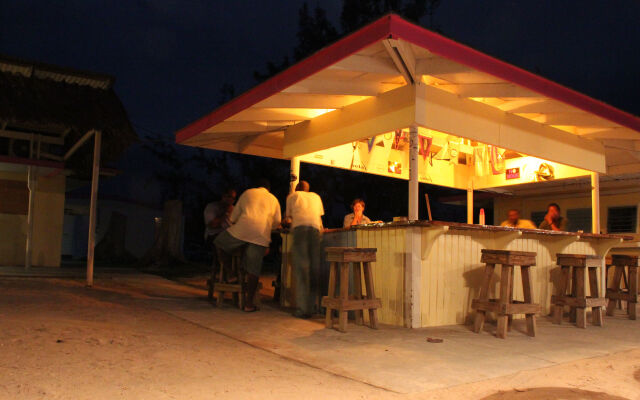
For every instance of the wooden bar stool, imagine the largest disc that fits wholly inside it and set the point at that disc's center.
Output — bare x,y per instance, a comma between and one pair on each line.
237,289
615,292
340,257
576,266
505,306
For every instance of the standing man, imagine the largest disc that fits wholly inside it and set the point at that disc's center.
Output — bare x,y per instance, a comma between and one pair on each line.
553,221
305,211
514,220
253,218
217,218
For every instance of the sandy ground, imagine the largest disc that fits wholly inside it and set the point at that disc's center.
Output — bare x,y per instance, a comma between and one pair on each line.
60,340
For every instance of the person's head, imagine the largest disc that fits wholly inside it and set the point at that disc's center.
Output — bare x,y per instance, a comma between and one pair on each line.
513,216
263,182
302,186
554,210
229,196
357,206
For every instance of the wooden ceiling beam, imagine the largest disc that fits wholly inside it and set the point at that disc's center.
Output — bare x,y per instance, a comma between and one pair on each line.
368,64
488,90
303,100
335,87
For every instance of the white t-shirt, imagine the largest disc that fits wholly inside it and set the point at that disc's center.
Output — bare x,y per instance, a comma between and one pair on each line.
254,216
305,209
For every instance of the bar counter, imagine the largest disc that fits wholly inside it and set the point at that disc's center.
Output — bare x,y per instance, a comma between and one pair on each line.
428,272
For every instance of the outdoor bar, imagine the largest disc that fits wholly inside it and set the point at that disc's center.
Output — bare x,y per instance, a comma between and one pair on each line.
397,100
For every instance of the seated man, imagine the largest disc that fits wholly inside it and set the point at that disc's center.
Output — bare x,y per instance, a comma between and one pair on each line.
514,220
305,210
553,221
255,215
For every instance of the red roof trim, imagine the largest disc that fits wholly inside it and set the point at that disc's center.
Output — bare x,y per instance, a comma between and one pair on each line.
318,61
396,27
470,57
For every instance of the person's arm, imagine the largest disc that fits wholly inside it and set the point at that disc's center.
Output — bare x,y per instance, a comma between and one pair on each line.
288,211
277,215
348,219
237,210
365,220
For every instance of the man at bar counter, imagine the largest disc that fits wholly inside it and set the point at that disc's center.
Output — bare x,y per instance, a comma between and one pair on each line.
255,215
553,221
514,220
305,211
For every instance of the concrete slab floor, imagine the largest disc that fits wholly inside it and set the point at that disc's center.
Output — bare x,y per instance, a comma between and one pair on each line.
398,359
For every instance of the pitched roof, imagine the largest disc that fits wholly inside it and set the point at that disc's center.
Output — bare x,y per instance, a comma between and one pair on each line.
391,53
62,102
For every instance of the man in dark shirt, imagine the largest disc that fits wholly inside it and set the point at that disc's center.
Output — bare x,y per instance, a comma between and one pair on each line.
553,221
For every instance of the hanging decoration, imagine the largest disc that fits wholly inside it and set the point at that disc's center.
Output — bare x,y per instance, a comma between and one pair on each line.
425,146
356,163
497,160
370,143
480,161
454,150
398,137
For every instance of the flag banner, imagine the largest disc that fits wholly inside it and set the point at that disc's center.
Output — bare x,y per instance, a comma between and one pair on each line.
397,138
497,160
370,143
425,147
480,160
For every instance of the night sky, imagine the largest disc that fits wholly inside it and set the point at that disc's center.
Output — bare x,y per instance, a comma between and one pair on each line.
171,57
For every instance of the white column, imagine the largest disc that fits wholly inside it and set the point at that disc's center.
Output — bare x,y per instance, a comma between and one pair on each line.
470,203
595,202
92,207
294,174
595,224
31,185
413,173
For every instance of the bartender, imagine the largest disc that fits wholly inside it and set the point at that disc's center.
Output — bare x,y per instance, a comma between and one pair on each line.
357,217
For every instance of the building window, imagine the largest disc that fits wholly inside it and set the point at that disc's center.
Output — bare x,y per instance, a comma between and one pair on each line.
579,219
537,217
622,219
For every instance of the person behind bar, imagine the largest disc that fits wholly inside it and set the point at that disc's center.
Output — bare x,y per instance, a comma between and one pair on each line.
514,220
255,215
217,218
305,210
357,217
553,221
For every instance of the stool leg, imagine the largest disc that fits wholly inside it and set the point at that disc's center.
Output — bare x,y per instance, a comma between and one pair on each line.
357,289
527,288
368,281
581,312
220,294
478,323
344,296
574,285
632,307
331,294
596,312
505,279
614,288
558,308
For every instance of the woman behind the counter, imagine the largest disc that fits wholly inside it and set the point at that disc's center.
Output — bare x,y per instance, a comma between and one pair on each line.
356,217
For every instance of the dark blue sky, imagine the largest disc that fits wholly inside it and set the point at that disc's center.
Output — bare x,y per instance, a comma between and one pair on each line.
170,57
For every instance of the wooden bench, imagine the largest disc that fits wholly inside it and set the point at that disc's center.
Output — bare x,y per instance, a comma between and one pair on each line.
574,267
340,257
615,292
505,306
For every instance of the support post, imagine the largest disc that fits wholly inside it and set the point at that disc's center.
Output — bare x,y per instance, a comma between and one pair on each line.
294,174
413,174
31,185
595,223
92,208
595,202
470,203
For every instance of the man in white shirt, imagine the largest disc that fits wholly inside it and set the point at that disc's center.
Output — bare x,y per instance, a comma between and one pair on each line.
254,216
305,210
